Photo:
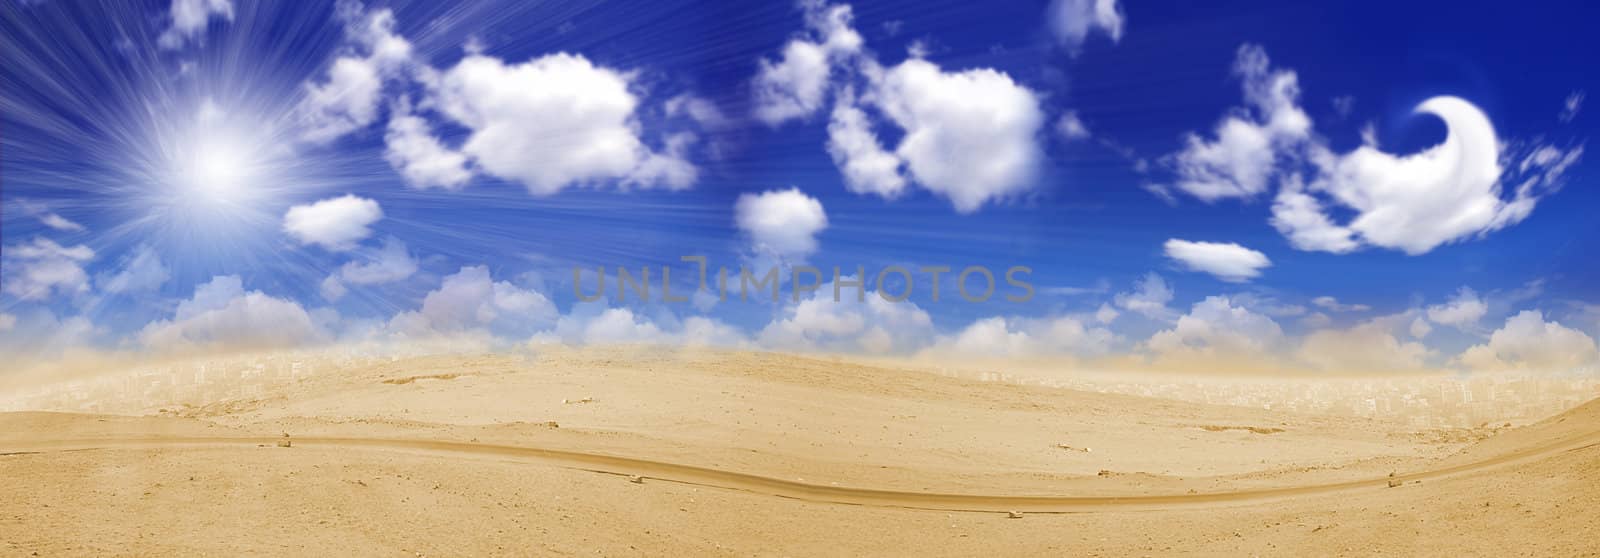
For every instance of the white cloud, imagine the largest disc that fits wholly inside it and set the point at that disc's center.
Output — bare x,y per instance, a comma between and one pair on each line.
1299,216
1227,261
1448,192
39,269
555,121
40,334
698,109
1217,330
424,162
45,216
1527,342
1368,347
1020,338
471,301
970,136
1462,312
335,223
1570,107
1333,304
795,86
44,248
388,264
669,167
1471,184
986,337
781,222
348,100
592,323
1070,127
59,223
1240,161
1106,314
332,289
210,296
1316,320
189,18
704,300
392,262
1420,328
1267,304
140,270
699,331
619,325
221,314
868,168
1149,298
1071,21
872,325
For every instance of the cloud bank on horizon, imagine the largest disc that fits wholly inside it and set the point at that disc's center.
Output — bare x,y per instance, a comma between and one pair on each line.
217,176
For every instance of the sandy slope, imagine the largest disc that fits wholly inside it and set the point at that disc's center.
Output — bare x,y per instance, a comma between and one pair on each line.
769,441
798,417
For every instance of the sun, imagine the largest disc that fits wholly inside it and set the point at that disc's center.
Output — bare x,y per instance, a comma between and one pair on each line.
218,160
210,180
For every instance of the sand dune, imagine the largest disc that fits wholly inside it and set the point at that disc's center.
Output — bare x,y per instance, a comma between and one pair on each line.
637,452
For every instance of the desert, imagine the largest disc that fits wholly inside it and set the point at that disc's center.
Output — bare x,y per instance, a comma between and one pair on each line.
798,278
653,451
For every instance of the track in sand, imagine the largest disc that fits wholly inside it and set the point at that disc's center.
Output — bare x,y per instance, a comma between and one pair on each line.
800,490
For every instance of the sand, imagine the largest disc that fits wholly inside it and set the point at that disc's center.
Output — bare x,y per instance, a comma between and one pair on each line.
643,452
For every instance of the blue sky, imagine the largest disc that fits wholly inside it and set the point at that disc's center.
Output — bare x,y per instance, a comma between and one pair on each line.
1201,183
